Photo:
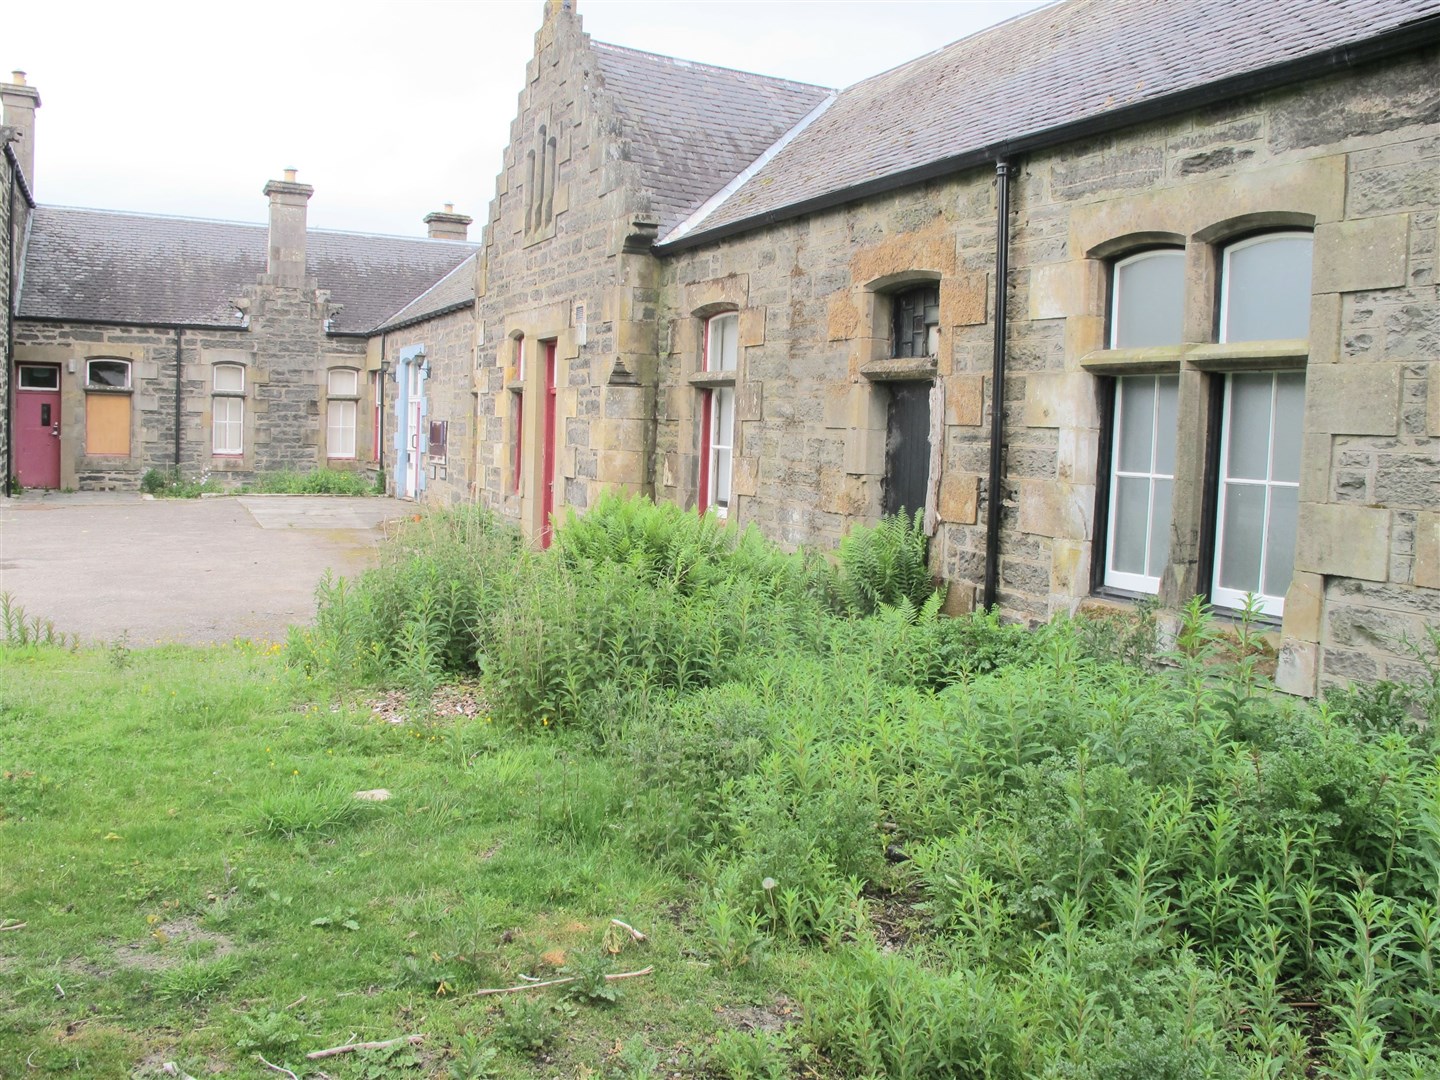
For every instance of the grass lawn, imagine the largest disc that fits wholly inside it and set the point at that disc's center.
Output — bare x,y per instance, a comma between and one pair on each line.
197,884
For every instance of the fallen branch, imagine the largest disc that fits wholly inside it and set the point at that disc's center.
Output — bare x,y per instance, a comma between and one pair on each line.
277,1068
561,982
636,934
171,1069
350,1048
13,926
300,1000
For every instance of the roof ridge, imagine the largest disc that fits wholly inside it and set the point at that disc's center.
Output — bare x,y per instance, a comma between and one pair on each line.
680,61
258,225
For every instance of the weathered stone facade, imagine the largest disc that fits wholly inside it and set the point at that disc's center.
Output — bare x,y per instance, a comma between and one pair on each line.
1351,159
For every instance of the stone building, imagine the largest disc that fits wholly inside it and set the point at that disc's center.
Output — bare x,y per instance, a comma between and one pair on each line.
1189,248
144,342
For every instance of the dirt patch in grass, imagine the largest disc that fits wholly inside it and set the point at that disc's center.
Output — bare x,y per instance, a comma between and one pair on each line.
447,702
776,1016
169,943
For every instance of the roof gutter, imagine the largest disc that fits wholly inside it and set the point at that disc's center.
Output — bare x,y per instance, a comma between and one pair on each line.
391,327
1410,37
153,324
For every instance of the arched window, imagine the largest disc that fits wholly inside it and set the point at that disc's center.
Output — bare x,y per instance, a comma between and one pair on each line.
1265,288
1147,299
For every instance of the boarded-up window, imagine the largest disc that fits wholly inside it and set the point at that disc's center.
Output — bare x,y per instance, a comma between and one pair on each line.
107,424
438,432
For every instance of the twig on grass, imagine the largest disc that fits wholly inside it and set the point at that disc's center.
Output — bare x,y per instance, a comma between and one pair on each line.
298,1001
636,934
348,1048
561,982
277,1068
12,926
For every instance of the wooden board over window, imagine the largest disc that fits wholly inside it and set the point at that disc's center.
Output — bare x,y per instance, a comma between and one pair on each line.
107,424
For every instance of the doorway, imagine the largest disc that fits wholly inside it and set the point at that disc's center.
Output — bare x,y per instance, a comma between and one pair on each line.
37,425
907,447
547,451
410,414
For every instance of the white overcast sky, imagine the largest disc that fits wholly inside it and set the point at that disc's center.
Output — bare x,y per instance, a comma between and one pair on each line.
388,109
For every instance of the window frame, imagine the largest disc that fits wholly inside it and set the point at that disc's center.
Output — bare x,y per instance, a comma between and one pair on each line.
101,387
1114,301
712,324
1124,581
233,398
1223,277
339,404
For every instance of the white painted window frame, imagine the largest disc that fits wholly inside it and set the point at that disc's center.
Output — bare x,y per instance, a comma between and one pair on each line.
1225,273
1269,605
1117,290
223,402
1117,579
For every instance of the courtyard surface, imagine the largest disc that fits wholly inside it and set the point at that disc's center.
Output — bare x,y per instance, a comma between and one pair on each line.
102,565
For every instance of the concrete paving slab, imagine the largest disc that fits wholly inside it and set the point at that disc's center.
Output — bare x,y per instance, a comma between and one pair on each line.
102,564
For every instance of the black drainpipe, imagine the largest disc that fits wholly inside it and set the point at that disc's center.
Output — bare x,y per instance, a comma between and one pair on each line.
179,377
9,359
997,384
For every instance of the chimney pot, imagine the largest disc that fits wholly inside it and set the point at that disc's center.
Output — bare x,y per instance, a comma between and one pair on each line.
449,207
290,175
18,78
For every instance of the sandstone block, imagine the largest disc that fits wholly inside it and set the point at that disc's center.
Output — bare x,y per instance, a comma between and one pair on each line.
1061,399
959,498
1344,540
1426,571
745,476
752,326
1296,667
623,467
1363,253
1049,508
963,299
842,319
1432,401
959,599
1324,328
837,406
750,401
1058,290
1353,399
965,400
1304,605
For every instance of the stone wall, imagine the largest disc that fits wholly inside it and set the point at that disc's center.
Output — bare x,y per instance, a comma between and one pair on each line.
534,281
449,344
1355,157
285,352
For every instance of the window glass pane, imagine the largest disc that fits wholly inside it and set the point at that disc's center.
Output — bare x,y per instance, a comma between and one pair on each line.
1244,523
229,378
114,373
720,352
1159,528
1166,422
1136,398
725,415
1280,540
1131,524
1149,300
1289,416
39,378
1267,289
340,432
1249,446
228,425
344,383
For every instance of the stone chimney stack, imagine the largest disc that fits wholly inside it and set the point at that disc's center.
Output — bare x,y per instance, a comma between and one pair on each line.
20,101
286,262
447,224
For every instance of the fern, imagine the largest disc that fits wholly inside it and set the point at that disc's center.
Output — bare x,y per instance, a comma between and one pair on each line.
882,565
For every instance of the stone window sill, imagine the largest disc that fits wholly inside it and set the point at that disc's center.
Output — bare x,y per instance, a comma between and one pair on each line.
1168,359
708,379
900,368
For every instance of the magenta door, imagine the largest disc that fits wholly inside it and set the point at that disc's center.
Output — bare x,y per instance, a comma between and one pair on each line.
37,425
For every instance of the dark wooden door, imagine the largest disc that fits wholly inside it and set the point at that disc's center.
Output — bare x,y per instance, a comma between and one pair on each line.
907,447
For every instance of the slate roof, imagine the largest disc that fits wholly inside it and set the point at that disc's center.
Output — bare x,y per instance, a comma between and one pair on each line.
108,266
693,127
1045,70
455,290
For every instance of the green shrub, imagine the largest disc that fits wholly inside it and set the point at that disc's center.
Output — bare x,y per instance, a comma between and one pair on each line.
324,481
883,564
169,484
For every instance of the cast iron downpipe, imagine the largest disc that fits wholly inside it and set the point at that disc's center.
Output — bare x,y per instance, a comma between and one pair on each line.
997,384
380,409
179,374
11,306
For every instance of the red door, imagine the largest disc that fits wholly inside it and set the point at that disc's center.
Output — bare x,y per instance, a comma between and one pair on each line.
547,478
37,426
